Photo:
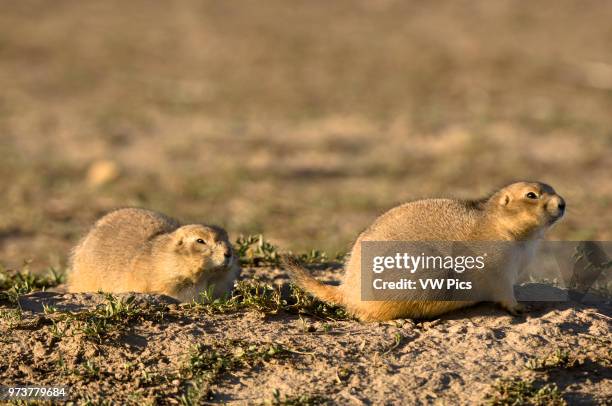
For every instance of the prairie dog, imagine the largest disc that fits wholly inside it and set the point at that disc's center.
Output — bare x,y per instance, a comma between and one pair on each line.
521,211
138,250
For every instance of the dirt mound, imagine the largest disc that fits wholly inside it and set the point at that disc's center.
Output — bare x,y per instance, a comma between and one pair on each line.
135,348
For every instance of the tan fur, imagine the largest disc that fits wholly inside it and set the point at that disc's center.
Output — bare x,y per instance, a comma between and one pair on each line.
137,250
507,215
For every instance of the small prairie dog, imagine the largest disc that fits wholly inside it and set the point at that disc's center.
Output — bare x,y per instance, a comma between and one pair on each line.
521,211
138,250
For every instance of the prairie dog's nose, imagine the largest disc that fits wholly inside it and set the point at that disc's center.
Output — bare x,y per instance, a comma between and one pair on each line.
227,254
556,205
561,204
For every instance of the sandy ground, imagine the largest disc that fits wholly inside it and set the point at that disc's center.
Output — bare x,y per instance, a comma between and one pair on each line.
302,121
452,360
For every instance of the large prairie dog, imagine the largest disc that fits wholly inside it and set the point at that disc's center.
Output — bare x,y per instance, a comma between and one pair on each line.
521,211
137,250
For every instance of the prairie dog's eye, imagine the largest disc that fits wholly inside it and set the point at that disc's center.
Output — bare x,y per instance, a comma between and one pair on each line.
531,195
200,241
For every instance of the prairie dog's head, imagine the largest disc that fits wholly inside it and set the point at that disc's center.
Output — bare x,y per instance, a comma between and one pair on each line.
204,248
527,207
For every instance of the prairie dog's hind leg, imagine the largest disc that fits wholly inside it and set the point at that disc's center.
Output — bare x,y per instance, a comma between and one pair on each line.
512,306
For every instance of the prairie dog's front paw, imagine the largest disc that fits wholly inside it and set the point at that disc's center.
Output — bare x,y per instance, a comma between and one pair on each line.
513,307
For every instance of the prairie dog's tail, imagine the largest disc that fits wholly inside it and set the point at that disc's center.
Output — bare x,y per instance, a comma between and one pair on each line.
304,280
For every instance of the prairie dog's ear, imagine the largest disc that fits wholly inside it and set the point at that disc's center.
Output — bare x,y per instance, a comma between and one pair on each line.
504,199
178,239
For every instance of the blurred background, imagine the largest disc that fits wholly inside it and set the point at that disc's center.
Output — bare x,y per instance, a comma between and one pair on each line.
302,120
